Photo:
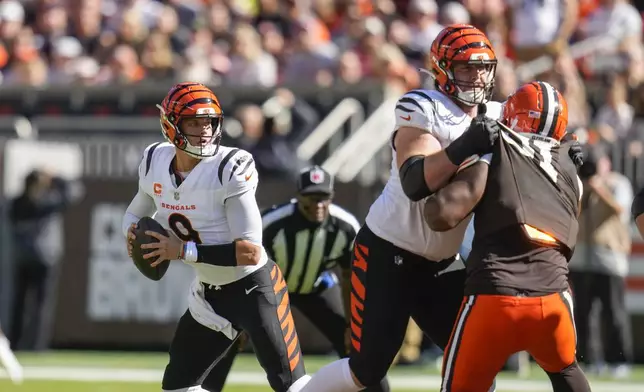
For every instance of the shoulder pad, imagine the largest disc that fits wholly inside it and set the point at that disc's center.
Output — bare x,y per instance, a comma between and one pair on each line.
146,161
415,109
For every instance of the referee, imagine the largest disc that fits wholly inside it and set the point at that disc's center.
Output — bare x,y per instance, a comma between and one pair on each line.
307,237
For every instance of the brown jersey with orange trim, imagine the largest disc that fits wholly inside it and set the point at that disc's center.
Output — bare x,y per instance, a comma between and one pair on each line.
526,223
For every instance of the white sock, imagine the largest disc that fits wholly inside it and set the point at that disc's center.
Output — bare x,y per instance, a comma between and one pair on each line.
10,361
197,388
299,384
334,377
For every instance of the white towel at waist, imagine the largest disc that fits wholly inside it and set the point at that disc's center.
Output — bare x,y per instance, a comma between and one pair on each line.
201,311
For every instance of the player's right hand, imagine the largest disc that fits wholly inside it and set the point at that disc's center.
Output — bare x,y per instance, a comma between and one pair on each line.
478,139
130,237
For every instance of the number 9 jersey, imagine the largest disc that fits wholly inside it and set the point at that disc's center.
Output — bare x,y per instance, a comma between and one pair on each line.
194,209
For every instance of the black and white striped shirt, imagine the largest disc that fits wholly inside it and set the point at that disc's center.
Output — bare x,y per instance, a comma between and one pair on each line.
303,249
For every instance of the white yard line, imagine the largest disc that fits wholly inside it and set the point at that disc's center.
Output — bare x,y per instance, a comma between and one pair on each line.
256,378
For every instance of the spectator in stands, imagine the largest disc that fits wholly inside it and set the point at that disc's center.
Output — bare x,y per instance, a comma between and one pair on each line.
349,70
536,28
310,54
615,118
64,52
157,57
12,16
599,264
454,13
422,16
123,67
250,64
622,22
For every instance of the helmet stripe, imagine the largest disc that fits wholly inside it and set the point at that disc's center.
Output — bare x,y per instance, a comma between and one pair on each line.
451,33
177,101
457,36
556,110
180,88
548,112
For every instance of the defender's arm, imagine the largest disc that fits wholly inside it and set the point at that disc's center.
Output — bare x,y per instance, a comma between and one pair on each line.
446,208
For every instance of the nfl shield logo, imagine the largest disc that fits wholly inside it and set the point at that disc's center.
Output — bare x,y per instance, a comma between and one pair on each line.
176,195
317,176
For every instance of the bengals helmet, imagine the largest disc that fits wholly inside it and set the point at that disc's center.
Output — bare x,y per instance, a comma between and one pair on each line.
191,100
539,108
462,44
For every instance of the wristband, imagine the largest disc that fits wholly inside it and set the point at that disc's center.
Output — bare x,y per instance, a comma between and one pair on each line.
190,253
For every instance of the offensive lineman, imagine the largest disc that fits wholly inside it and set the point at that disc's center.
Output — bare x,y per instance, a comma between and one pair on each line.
399,263
525,197
204,195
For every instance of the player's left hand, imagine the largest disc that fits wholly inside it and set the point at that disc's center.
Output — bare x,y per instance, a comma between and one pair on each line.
168,248
575,152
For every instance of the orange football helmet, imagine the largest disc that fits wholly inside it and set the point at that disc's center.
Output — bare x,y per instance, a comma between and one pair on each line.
466,45
191,100
539,108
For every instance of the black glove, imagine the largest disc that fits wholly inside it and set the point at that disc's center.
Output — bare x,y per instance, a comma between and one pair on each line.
478,139
575,151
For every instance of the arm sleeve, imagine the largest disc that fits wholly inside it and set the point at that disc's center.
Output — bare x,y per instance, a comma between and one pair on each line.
142,205
244,218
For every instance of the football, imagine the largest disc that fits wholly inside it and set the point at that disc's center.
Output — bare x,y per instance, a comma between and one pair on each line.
143,265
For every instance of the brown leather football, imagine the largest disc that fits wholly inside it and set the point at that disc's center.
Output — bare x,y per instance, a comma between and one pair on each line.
143,265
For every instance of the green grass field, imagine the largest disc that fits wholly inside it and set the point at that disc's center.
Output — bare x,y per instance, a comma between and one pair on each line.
141,372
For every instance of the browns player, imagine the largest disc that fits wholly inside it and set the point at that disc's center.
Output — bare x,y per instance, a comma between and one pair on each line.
525,198
204,195
398,265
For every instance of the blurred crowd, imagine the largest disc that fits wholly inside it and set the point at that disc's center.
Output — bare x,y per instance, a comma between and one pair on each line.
284,42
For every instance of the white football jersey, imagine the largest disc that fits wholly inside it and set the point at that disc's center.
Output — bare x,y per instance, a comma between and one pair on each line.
393,216
195,209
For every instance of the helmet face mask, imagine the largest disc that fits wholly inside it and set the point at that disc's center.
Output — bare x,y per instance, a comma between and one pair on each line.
185,103
471,92
464,64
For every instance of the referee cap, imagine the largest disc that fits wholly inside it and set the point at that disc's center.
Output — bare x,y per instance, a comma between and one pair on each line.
313,180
